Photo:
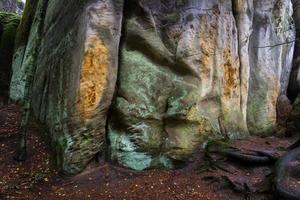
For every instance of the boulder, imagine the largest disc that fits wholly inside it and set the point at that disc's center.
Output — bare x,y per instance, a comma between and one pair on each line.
72,49
192,70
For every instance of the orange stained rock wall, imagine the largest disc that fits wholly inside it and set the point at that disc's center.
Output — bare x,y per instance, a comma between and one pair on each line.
93,77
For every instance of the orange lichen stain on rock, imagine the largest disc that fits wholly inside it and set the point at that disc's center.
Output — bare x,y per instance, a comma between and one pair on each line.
206,58
203,125
93,77
231,75
208,45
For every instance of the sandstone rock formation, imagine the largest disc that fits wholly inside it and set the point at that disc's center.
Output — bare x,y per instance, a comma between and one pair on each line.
189,70
196,69
269,66
75,49
22,50
178,82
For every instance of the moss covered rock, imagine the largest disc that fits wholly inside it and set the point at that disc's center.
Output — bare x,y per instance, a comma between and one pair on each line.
19,70
8,28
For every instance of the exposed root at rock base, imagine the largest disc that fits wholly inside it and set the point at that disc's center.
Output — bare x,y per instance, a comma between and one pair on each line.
285,180
287,168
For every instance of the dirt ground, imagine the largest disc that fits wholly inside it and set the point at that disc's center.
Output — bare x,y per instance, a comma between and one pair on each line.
37,179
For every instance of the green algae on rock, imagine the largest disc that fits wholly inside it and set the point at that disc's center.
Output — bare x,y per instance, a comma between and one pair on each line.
8,29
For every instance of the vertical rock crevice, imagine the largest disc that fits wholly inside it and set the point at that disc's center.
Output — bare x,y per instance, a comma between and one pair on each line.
8,29
294,82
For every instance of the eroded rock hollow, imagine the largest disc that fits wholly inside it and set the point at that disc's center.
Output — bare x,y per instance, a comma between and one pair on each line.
148,82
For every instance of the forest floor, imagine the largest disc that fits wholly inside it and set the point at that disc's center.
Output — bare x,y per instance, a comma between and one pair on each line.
37,179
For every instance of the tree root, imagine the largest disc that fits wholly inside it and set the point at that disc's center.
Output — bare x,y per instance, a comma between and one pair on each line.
21,155
248,158
295,145
286,176
227,182
284,170
234,154
211,164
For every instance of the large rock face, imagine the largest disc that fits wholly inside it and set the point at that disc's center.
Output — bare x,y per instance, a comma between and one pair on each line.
270,62
74,48
179,81
197,69
189,70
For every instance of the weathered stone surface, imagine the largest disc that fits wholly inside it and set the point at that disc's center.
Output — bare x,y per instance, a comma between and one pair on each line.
269,66
243,12
178,88
74,48
8,27
189,70
194,69
22,50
